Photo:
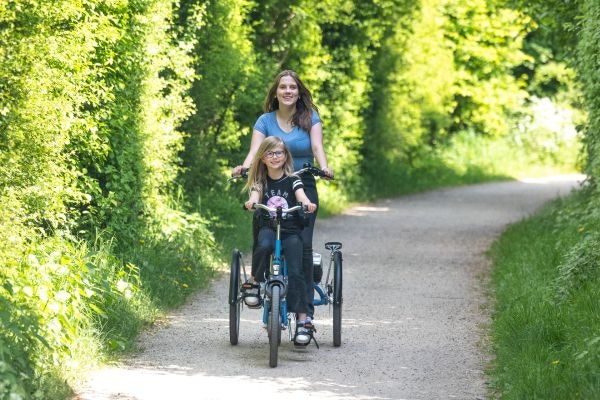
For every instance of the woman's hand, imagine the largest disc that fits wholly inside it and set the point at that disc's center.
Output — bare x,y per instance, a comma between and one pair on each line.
249,204
328,171
311,207
237,170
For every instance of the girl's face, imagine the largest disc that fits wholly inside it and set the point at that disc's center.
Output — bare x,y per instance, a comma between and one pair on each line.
275,157
287,91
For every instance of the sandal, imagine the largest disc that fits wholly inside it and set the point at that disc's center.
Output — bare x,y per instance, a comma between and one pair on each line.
251,293
308,324
305,334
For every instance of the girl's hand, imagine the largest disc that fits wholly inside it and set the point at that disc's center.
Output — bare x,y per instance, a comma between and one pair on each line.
249,205
311,207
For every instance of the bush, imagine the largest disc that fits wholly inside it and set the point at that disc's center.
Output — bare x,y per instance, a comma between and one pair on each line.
580,266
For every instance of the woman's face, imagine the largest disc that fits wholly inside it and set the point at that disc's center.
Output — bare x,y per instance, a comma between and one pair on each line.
287,91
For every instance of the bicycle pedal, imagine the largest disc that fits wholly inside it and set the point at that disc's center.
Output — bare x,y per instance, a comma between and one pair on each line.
249,286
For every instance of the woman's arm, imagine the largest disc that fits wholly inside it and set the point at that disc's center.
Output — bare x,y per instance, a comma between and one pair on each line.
316,144
257,138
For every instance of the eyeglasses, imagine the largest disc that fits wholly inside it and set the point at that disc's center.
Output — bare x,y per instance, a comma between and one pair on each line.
272,154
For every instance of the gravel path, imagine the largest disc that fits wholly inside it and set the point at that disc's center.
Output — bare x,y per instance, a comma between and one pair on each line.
414,315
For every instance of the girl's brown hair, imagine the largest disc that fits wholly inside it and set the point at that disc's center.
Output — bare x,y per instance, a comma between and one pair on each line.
304,106
257,174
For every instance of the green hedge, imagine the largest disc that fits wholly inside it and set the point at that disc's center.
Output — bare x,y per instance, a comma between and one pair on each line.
588,61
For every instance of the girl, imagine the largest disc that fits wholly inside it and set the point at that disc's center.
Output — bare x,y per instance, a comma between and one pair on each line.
271,182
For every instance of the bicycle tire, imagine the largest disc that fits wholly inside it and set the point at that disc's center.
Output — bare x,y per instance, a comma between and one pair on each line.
235,303
274,326
337,299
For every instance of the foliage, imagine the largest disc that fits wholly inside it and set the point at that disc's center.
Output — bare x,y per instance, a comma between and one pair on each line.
545,324
225,66
486,40
103,156
406,115
588,60
120,120
547,131
559,23
450,70
57,292
579,267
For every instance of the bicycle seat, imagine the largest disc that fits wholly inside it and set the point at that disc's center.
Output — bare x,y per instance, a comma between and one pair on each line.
333,246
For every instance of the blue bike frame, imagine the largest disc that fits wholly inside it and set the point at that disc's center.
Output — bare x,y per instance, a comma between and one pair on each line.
278,274
323,298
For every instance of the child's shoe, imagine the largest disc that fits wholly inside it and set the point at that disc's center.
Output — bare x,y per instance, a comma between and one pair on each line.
304,333
302,337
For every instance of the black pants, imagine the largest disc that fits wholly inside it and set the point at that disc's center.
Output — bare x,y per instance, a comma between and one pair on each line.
291,245
310,188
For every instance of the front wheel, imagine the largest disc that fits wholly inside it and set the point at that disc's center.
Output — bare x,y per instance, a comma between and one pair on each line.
337,299
235,303
274,326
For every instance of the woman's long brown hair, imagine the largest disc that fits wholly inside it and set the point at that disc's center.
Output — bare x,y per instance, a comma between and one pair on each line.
304,106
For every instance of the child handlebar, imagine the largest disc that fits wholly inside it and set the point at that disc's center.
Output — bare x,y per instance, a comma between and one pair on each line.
283,210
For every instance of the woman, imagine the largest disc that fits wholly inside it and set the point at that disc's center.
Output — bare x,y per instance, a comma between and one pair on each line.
289,113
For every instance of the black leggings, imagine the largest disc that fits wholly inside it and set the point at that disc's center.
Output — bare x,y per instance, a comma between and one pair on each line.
291,245
310,188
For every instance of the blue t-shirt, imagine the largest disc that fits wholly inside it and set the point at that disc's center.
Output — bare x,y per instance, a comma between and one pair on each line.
297,141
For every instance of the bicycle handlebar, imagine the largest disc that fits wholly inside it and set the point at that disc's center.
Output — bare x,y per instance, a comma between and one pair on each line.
283,210
243,174
314,171
306,168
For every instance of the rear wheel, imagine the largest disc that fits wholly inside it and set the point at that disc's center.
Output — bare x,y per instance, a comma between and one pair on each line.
274,326
235,303
337,299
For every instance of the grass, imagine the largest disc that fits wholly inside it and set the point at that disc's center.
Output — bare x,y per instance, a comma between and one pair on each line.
466,158
546,323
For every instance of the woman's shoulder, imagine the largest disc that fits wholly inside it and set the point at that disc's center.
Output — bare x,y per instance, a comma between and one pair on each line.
265,121
315,117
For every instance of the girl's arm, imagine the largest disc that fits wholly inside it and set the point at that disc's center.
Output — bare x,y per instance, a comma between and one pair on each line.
257,138
254,198
316,144
302,198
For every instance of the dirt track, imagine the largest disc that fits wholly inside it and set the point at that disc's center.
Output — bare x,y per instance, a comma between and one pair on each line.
414,313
